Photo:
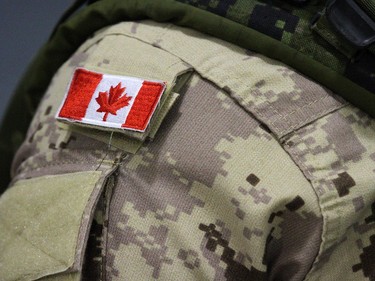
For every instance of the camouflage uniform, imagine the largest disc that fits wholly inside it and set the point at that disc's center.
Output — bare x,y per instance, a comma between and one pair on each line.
253,172
298,33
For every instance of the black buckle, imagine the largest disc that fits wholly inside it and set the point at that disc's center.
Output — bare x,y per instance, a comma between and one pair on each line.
349,20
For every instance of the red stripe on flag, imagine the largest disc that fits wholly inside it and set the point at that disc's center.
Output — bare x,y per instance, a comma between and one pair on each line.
144,105
80,93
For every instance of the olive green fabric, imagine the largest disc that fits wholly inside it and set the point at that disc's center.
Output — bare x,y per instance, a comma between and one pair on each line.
106,12
40,223
322,27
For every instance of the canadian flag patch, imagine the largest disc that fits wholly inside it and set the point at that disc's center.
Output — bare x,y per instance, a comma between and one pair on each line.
112,101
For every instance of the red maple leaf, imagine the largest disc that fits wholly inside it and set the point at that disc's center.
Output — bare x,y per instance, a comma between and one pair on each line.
110,103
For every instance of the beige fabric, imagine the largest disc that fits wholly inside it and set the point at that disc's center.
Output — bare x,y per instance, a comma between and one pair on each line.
336,153
207,197
256,173
40,222
63,277
275,94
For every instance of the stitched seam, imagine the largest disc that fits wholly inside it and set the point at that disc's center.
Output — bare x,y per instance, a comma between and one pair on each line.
107,200
247,109
56,164
325,217
298,161
87,217
311,118
281,132
303,107
291,127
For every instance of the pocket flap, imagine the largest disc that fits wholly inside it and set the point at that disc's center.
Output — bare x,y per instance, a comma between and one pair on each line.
43,224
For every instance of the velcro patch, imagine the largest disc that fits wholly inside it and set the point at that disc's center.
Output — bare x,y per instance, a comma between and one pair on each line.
111,101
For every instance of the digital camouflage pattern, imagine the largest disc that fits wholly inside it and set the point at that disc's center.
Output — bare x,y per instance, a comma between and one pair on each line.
257,173
289,33
292,25
344,183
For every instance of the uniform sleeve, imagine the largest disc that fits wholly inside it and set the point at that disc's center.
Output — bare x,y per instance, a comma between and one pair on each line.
250,171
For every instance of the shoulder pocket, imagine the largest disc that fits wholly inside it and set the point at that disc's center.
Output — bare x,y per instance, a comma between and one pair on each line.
44,224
